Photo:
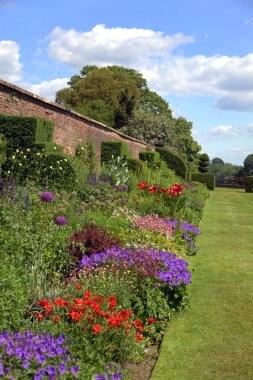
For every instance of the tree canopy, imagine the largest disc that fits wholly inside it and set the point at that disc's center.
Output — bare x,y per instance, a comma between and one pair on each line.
248,164
120,97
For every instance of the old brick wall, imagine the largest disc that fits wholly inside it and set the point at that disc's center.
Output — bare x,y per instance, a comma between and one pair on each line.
69,125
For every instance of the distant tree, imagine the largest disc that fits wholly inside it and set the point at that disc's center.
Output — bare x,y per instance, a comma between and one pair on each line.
248,164
218,161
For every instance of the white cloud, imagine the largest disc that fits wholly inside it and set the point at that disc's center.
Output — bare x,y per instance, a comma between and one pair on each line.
47,89
104,46
222,130
10,68
155,55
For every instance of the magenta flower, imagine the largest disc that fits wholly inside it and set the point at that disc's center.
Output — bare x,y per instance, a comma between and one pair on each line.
61,220
47,197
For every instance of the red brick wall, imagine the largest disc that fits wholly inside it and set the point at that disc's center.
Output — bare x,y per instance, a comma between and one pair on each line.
69,125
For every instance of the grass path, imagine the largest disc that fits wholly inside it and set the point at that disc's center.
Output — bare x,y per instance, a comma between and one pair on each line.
214,338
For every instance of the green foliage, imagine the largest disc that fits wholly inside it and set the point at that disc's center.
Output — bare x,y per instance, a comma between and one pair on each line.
117,169
206,178
249,184
173,161
113,148
134,164
106,94
248,164
13,292
152,158
225,173
23,131
204,163
217,161
151,127
2,150
87,152
186,146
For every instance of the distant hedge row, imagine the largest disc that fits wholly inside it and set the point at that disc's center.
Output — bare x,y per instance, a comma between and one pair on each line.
206,178
249,184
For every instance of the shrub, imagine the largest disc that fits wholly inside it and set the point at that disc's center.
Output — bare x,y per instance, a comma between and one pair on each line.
249,184
204,163
23,131
207,178
173,161
2,150
134,164
152,158
113,148
92,239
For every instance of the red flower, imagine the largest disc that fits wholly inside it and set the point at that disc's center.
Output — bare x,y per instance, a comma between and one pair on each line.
143,185
56,319
87,294
151,321
175,189
97,329
60,302
138,337
40,316
78,286
75,316
47,305
158,200
112,302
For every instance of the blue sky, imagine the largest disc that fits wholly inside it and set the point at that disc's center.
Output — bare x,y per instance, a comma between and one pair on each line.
197,54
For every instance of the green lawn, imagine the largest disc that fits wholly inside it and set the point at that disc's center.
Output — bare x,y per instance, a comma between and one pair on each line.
214,338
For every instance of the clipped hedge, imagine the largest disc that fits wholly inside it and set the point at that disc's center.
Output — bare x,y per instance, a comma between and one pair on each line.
204,166
249,184
134,164
152,158
174,162
2,150
113,148
32,155
23,131
206,178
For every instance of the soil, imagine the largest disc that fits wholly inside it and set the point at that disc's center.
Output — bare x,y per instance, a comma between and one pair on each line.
143,370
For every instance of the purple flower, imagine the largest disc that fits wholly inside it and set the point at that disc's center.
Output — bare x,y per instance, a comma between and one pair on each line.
47,197
99,377
61,220
51,370
74,369
62,368
25,364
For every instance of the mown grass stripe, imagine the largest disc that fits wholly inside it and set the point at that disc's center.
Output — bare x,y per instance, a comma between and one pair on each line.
214,338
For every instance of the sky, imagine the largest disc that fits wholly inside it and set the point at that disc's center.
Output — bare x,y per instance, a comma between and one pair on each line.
197,54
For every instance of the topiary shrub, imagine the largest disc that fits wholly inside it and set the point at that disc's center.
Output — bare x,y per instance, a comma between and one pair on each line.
174,162
115,149
23,131
152,158
249,184
134,164
206,178
204,166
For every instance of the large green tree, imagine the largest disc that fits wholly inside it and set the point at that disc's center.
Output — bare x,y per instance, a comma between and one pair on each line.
108,95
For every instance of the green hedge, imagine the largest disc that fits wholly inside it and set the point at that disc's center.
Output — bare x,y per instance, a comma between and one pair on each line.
23,131
134,164
2,150
249,184
206,178
113,148
37,158
174,162
152,158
